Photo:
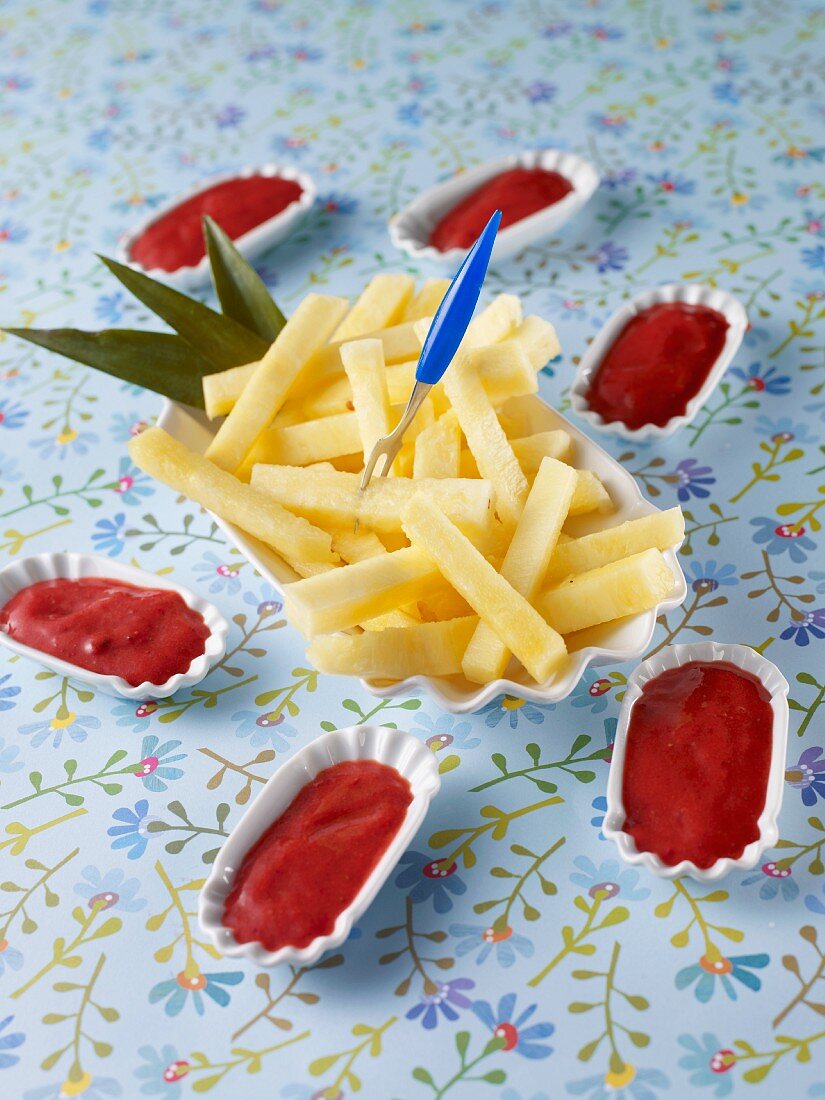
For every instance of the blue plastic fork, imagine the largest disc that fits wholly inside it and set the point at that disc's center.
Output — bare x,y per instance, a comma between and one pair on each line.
446,333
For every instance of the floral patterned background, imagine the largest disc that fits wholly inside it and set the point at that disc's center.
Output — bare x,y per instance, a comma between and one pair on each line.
511,955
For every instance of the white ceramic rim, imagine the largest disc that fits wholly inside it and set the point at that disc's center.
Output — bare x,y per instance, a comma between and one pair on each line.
49,566
251,244
448,695
694,294
397,748
672,657
411,227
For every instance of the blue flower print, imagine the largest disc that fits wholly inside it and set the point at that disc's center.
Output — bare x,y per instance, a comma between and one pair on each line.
9,1041
12,413
9,470
513,708
808,775
304,52
726,92
814,222
783,538
692,480
111,890
218,575
505,1024
609,257
154,769
763,379
602,33
511,1094
811,625
10,957
706,972
622,177
410,113
334,203
107,536
132,485
445,731
427,879
608,878
629,1084
773,882
599,806
12,232
783,429
73,726
176,991
671,184
446,1001
161,1071
593,692
541,91
230,116
609,123
133,833
557,30
264,730
481,941
708,1062
99,1088
267,601
126,425
814,258
136,715
709,575
8,692
68,442
813,903
109,308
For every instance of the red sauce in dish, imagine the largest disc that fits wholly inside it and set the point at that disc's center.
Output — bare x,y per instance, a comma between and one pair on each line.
310,864
517,193
696,763
108,626
176,239
657,363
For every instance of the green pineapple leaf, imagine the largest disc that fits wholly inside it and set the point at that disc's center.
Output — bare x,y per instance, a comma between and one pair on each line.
240,289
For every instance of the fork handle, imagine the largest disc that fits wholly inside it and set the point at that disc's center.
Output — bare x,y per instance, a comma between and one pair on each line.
416,400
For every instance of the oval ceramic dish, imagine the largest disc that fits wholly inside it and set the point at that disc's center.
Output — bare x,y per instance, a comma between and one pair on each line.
621,641
47,567
399,750
672,657
411,228
251,244
694,294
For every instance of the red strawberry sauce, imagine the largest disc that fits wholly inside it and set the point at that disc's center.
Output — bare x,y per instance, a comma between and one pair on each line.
311,863
696,763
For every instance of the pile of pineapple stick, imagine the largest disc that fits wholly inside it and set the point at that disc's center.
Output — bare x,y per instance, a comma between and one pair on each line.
458,562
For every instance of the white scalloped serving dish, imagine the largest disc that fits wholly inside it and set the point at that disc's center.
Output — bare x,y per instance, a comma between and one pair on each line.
46,567
693,293
622,641
411,228
673,657
251,244
396,748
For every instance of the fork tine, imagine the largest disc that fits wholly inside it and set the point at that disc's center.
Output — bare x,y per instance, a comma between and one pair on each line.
375,454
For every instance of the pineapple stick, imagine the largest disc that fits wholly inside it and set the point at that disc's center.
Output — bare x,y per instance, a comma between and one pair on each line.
306,330
539,648
659,531
531,449
525,562
539,340
364,365
419,649
427,300
438,449
382,303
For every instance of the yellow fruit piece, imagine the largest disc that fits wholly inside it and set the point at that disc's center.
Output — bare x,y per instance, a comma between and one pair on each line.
358,545
222,389
438,449
427,300
522,416
306,330
539,340
364,365
390,620
590,495
382,303
539,648
525,562
165,458
530,450
658,531
335,499
420,649
444,603
353,594
624,587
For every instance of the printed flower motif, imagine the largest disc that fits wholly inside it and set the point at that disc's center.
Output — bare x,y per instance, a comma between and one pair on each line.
11,232
763,379
10,957
69,441
671,184
784,430
264,730
154,768
267,601
175,991
429,879
708,1063
812,625
124,426
623,177
603,33
446,1000
7,693
629,1083
108,535
706,972
773,882
112,889
410,113
134,833
504,943
161,1071
709,575
808,775
12,413
109,308
725,91
444,731
814,258
9,1041
513,708
795,155
218,575
691,479
229,117
592,692
305,53
609,257
509,1027
608,879
786,538
813,903
334,203
612,123
9,470
74,726
814,223
136,715
90,1088
599,804
557,30
819,576
541,91
132,485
